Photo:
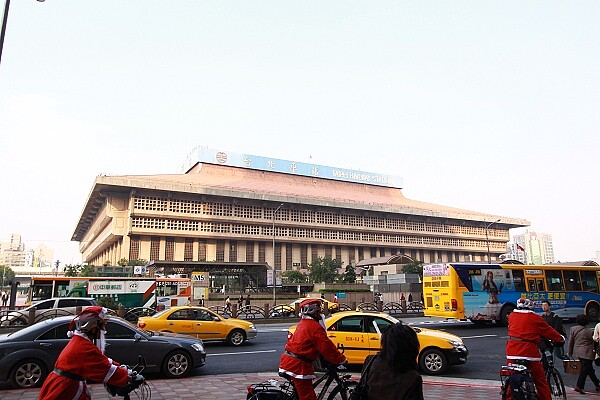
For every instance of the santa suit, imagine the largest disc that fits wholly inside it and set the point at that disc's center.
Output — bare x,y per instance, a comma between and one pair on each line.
303,347
84,359
525,330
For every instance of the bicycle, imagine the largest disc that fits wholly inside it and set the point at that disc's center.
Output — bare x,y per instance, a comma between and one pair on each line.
138,384
274,390
517,383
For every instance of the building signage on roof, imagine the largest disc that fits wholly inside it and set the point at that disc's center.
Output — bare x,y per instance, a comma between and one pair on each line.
211,156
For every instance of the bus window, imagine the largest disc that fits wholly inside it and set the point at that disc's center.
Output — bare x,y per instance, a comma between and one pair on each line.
554,281
535,285
589,281
572,282
518,280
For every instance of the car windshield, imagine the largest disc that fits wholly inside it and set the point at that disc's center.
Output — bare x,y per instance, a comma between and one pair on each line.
160,313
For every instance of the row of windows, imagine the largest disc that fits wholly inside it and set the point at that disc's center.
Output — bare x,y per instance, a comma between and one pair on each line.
281,232
148,203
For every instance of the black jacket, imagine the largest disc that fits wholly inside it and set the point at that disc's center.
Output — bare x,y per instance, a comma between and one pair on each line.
385,384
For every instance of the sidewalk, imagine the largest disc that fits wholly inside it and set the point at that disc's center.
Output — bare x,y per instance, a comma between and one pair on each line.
233,387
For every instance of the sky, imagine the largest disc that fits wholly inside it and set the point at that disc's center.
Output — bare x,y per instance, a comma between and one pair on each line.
485,106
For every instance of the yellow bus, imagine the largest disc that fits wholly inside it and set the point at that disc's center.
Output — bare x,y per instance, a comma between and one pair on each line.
483,293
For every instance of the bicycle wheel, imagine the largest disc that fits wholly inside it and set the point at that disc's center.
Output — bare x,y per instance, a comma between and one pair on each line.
557,386
341,393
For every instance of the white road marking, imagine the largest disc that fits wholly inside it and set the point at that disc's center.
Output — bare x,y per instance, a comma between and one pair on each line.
477,336
243,352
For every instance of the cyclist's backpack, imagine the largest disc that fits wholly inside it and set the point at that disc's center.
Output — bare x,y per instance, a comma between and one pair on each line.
521,387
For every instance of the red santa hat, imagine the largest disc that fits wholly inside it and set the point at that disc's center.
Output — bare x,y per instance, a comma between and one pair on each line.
94,312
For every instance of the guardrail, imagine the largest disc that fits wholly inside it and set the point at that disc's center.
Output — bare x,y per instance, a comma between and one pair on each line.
19,319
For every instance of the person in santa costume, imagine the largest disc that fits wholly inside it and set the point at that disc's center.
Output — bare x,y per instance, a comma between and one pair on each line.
525,330
304,346
83,359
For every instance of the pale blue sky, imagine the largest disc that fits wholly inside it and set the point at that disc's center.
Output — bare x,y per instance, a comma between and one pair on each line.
487,106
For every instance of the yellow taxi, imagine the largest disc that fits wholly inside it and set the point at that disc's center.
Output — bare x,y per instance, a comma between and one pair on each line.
360,334
200,322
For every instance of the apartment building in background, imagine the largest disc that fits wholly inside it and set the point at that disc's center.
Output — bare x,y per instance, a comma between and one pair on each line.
533,248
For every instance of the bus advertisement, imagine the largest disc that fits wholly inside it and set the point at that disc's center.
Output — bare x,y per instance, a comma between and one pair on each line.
489,292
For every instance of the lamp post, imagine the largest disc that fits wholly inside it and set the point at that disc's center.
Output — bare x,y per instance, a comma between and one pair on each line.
4,21
274,267
487,241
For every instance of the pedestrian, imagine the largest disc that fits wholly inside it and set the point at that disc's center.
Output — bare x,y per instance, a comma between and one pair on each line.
335,299
393,373
248,302
227,304
581,345
322,296
402,298
556,322
240,302
4,299
202,301
83,359
422,299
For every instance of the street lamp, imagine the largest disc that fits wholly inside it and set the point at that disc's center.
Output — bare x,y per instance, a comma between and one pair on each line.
274,267
4,21
487,241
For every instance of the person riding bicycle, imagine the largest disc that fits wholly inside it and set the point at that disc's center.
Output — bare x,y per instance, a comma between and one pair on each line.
304,346
525,330
83,359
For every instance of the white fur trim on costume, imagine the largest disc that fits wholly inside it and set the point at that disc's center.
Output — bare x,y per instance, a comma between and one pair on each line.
521,310
110,373
79,391
281,370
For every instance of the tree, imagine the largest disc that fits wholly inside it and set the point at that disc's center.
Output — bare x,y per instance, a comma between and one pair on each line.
324,270
137,261
72,270
415,267
122,262
350,274
294,276
87,270
6,275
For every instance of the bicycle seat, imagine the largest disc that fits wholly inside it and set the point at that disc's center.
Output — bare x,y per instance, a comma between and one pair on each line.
286,376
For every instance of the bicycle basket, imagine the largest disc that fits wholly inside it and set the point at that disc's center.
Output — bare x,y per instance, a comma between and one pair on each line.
266,391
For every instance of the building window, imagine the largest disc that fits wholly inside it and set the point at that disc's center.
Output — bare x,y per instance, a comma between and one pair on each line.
261,253
233,251
155,248
134,248
288,255
220,251
201,250
303,255
170,249
188,252
249,251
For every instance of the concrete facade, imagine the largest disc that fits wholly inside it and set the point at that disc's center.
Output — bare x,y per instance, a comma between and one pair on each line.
226,215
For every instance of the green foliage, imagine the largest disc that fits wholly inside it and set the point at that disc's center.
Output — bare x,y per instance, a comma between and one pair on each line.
294,276
324,270
87,270
350,274
72,270
415,267
123,262
108,302
7,273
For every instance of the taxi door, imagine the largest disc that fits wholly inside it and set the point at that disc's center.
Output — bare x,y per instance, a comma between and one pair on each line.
374,327
180,321
208,326
349,332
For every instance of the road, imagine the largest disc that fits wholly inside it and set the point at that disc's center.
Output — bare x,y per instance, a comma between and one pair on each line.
486,346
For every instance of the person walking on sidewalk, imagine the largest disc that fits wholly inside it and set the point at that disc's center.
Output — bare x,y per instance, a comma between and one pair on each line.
525,330
305,345
581,345
240,302
393,373
247,304
227,304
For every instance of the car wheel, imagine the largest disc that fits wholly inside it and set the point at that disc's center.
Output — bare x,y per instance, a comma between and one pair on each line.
28,374
433,362
236,337
19,322
504,313
177,364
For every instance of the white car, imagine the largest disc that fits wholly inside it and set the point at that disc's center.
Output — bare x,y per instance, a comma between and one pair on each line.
49,308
